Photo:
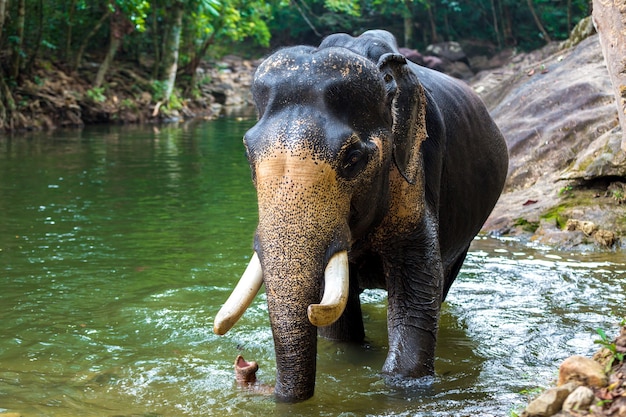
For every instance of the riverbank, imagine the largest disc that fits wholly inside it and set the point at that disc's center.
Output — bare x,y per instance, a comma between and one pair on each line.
55,98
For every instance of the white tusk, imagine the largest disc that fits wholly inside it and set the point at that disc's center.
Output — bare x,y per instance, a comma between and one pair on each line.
241,297
336,287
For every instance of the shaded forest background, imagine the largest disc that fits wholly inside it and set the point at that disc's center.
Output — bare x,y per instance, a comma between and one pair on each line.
84,41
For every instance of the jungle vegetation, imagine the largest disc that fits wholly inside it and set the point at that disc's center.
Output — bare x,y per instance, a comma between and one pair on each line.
174,36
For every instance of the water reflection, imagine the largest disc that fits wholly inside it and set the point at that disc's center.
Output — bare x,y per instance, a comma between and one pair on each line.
117,247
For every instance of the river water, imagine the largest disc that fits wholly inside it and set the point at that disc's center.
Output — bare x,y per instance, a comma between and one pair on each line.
119,244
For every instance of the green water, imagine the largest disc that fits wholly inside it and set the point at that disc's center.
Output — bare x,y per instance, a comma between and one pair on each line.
118,245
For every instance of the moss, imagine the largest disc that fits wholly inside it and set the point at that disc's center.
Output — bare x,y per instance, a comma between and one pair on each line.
555,214
526,225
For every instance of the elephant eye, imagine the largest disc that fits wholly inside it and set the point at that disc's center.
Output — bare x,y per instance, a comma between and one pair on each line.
353,162
353,158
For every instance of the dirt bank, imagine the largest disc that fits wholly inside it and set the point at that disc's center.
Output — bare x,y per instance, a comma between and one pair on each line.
55,98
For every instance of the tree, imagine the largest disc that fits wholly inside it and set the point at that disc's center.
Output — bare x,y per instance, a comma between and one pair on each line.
235,21
3,12
609,18
172,46
19,39
537,20
125,16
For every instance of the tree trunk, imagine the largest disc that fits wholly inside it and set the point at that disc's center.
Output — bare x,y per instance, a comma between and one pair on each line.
192,68
7,104
120,26
70,24
408,24
431,19
3,11
569,15
17,47
114,45
170,55
543,31
156,44
33,56
507,26
83,45
609,18
494,14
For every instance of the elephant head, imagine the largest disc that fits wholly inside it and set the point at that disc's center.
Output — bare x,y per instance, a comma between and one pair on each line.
336,125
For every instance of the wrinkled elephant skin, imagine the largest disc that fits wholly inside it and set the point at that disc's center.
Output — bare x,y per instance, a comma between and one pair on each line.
358,151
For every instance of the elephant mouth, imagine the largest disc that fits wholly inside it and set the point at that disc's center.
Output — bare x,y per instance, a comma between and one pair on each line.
326,312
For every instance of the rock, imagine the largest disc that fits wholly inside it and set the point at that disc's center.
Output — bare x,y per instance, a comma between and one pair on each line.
450,58
563,413
605,238
560,125
587,227
582,30
618,408
583,370
579,400
550,401
452,51
602,157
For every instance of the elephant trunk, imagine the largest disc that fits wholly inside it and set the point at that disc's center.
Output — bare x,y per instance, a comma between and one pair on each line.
293,323
293,293
295,341
303,224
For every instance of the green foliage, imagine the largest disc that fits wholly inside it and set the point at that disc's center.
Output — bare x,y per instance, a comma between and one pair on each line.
96,94
607,343
135,10
174,103
566,191
158,90
350,7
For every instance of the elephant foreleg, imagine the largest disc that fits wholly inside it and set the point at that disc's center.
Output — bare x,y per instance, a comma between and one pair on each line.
415,287
349,327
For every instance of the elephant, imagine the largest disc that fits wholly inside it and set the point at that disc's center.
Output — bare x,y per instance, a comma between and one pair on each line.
370,172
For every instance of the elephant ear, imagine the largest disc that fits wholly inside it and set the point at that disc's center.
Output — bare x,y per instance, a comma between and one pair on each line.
407,99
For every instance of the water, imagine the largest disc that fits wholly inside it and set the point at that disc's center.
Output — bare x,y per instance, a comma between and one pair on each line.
118,245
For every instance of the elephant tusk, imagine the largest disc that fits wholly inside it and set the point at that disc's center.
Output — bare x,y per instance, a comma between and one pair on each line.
241,297
335,298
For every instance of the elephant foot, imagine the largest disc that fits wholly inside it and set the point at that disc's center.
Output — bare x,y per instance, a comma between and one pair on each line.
245,376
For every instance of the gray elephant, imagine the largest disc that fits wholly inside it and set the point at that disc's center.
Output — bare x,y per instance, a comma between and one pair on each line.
370,172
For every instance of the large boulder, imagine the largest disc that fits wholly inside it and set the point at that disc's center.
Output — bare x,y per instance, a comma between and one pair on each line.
557,111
